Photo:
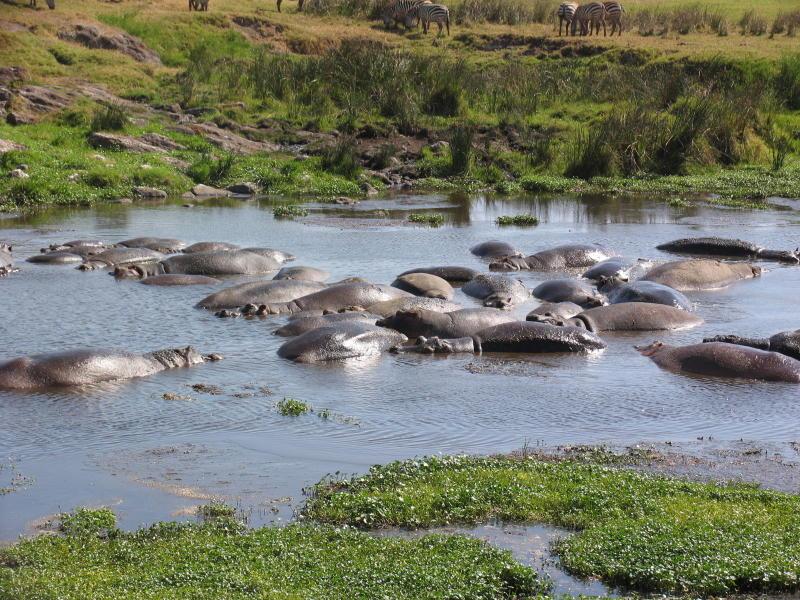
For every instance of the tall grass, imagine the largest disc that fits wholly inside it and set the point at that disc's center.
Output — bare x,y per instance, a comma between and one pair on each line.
752,23
508,12
786,22
109,118
693,18
787,81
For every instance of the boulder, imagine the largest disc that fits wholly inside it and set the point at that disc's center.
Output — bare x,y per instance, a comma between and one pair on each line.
202,190
91,36
9,146
244,189
148,192
117,141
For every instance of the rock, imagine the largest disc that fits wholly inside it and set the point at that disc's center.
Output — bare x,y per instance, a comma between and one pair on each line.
227,140
124,201
9,146
150,142
148,192
438,147
12,75
244,189
33,101
344,200
74,177
94,37
22,166
207,191
368,189
175,162
18,174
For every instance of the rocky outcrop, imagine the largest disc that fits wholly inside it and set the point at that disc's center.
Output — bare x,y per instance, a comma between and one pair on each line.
94,37
149,142
226,140
9,146
28,104
148,192
206,191
244,189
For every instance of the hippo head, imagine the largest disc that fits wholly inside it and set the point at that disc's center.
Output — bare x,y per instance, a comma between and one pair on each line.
499,300
130,272
5,248
435,345
651,349
172,358
606,283
404,321
515,262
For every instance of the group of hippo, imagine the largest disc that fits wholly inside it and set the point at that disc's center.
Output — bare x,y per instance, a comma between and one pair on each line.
416,313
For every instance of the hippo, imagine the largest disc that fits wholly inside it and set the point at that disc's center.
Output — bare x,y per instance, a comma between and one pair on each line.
340,341
336,298
425,285
228,262
633,316
497,291
785,342
83,251
569,290
299,326
560,311
56,257
119,257
449,274
455,324
700,274
494,249
612,267
179,279
259,292
728,248
718,359
72,244
644,291
163,245
209,247
514,337
569,256
85,367
6,260
277,255
387,308
302,274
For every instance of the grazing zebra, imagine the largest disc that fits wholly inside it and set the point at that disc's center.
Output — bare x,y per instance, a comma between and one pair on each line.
397,10
51,4
614,12
566,14
198,5
429,13
589,17
299,5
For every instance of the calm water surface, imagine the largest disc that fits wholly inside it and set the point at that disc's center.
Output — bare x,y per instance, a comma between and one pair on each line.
124,445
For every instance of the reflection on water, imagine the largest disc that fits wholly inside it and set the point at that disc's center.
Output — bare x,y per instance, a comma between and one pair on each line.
91,446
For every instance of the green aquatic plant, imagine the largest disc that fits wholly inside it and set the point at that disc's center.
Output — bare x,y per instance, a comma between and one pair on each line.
432,219
289,407
287,211
88,522
216,510
518,220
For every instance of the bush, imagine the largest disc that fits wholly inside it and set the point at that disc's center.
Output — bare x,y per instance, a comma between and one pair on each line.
588,154
787,81
461,149
98,522
289,407
210,170
786,22
342,158
109,118
752,23
518,220
445,101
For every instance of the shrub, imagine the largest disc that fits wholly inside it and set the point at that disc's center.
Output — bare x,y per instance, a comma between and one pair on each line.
383,157
786,22
342,158
752,23
461,149
432,219
787,81
110,118
445,101
210,170
518,220
289,407
99,522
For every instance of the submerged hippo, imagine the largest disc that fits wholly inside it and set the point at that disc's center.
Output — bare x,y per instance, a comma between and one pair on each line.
701,274
163,245
785,342
449,274
719,359
569,290
569,256
84,367
276,255
559,311
303,274
515,337
75,243
634,316
456,324
120,257
179,279
425,285
612,267
56,257
497,291
340,341
726,247
494,249
259,292
335,298
387,308
210,247
230,262
299,326
644,291
6,260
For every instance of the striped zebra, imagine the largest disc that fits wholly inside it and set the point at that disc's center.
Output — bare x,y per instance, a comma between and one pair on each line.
398,9
299,5
566,14
198,5
614,12
429,13
589,17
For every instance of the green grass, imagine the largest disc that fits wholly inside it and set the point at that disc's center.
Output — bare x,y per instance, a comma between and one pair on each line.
220,559
647,532
289,407
518,220
432,219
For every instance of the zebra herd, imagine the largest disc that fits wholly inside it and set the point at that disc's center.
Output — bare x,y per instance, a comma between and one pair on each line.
587,18
413,12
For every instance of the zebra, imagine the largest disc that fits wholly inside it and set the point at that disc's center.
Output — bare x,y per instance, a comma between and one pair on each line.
566,14
51,4
589,17
429,13
299,5
614,12
396,11
198,5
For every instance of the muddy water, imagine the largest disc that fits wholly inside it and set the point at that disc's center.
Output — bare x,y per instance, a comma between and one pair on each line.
123,444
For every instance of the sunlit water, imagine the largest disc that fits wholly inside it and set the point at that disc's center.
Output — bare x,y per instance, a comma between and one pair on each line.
123,444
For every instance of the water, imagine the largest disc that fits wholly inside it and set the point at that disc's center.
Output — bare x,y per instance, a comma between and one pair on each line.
123,444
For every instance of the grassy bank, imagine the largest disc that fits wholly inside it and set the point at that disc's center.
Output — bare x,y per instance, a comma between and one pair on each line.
650,533
220,559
